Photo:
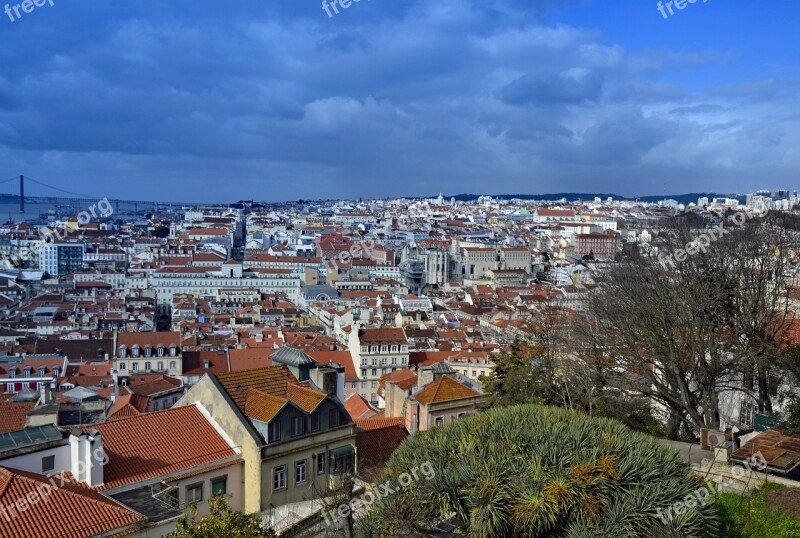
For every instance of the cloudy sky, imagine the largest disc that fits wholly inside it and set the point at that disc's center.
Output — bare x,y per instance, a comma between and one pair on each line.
193,100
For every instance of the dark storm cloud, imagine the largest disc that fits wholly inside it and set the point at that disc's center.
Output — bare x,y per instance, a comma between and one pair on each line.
276,100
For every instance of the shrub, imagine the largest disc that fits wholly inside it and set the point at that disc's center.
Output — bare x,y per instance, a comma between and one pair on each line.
533,471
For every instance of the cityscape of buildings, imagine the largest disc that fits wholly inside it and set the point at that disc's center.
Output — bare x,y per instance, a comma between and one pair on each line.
261,353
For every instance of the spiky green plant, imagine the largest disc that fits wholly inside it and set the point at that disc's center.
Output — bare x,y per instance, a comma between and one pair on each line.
535,471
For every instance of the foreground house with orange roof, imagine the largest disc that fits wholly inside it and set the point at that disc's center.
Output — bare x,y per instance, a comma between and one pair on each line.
145,469
295,438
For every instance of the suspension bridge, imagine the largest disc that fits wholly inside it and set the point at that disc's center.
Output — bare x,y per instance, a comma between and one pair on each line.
66,197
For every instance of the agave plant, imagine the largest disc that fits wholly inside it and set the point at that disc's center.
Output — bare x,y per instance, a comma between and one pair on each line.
535,471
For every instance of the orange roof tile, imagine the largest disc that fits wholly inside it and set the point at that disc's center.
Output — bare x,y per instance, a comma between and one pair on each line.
272,380
156,444
445,389
262,406
69,510
358,407
14,415
306,398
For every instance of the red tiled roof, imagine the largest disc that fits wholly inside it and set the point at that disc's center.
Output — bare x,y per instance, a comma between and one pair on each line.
156,444
306,398
13,415
152,338
359,408
404,379
249,358
376,441
129,405
272,380
262,406
68,510
382,335
379,423
445,389
339,357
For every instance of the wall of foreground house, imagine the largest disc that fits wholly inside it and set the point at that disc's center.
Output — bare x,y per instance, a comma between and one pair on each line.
225,414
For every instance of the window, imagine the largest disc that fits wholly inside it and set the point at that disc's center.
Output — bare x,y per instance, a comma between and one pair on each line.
363,372
300,475
363,362
440,421
48,464
394,360
374,371
194,493
320,463
172,365
374,384
297,426
383,361
315,422
333,418
364,349
353,385
275,432
147,367
135,367
384,349
219,486
279,478
394,348
746,413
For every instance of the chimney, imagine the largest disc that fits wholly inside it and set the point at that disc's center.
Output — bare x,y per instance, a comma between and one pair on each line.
47,394
115,378
425,376
87,456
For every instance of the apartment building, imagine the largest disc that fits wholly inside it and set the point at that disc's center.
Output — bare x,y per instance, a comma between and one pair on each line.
375,352
295,438
61,258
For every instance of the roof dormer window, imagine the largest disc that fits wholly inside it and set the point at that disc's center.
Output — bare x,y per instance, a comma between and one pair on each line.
123,351
135,350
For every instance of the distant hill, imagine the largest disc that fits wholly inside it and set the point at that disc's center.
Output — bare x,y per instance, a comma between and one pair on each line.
685,199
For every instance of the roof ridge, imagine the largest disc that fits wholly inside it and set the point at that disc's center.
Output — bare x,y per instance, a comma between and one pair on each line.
142,414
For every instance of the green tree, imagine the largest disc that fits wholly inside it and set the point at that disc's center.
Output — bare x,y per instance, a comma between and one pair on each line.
223,521
539,471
